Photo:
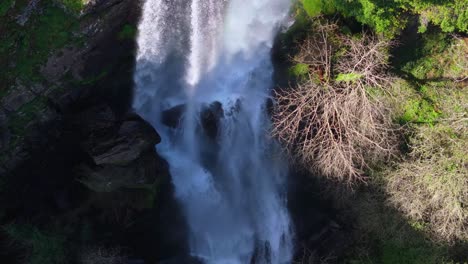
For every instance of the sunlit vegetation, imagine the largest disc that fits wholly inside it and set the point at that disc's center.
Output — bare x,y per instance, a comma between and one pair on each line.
389,17
412,208
329,121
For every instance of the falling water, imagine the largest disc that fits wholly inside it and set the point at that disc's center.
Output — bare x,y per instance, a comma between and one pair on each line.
211,58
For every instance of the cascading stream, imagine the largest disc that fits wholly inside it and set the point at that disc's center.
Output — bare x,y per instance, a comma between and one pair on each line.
211,58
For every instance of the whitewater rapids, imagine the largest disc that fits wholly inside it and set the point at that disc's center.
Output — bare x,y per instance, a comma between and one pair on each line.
232,185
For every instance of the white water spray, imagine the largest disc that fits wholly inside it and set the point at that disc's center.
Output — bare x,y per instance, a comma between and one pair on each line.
227,175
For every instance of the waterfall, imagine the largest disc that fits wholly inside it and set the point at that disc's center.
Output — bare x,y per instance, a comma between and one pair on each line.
210,59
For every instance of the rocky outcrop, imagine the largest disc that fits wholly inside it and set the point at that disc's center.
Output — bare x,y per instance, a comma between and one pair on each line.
111,144
121,154
209,114
71,151
96,70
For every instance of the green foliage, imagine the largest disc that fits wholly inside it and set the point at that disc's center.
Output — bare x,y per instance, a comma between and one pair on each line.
450,16
405,254
24,48
386,237
44,248
312,7
419,111
348,77
128,32
430,56
300,70
74,6
5,5
429,185
27,113
389,17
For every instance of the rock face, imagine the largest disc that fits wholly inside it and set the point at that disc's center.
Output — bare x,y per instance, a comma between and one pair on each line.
72,153
98,70
210,115
122,151
109,144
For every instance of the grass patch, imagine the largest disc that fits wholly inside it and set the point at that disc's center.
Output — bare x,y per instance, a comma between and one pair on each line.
419,111
43,248
430,185
413,104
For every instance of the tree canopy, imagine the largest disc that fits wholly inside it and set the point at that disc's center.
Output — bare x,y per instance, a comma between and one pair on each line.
389,17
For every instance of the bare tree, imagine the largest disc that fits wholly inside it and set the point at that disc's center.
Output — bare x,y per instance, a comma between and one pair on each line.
331,122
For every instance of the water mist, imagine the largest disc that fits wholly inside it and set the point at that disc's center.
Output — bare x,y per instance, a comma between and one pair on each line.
214,55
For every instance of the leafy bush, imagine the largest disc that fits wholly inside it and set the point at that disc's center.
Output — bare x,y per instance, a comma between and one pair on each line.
440,57
300,70
389,17
312,7
419,111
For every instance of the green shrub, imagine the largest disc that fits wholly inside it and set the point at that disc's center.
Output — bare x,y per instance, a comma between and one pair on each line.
300,70
312,7
419,111
389,17
5,5
128,32
449,15
74,6
43,248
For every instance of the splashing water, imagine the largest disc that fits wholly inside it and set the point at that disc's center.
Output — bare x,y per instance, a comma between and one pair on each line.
230,181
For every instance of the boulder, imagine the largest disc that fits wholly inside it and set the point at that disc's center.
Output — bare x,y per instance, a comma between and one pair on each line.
115,142
210,114
123,151
173,116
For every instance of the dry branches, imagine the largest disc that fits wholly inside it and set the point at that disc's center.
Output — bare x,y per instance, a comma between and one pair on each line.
431,186
330,123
